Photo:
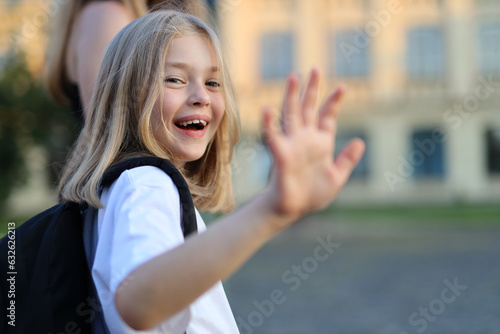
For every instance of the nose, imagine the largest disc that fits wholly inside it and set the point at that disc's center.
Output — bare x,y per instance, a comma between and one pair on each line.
199,96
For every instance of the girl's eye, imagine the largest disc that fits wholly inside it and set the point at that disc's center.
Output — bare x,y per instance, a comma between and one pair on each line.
173,80
213,84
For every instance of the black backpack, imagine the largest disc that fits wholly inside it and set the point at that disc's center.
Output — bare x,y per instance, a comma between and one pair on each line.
45,281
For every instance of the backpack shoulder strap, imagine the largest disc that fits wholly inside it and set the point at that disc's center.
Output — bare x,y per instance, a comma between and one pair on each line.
90,233
188,223
188,214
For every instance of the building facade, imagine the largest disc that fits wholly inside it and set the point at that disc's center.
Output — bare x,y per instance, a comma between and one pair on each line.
423,80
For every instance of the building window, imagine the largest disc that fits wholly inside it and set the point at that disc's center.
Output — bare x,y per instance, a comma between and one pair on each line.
425,59
277,50
489,49
493,151
350,57
427,154
362,170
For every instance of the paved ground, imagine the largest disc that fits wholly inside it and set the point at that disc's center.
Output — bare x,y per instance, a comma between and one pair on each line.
379,278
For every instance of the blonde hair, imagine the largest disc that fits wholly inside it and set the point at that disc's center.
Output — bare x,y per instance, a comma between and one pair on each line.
119,119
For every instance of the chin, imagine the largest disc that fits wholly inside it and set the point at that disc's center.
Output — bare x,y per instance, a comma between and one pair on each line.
189,157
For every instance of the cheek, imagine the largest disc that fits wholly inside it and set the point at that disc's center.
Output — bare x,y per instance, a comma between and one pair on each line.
156,122
157,128
155,115
169,104
219,107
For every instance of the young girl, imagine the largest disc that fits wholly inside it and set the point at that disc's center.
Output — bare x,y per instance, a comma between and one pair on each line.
164,90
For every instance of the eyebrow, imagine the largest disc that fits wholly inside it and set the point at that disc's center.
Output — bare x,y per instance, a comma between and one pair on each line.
182,66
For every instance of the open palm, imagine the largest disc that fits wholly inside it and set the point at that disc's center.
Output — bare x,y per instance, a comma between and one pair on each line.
305,175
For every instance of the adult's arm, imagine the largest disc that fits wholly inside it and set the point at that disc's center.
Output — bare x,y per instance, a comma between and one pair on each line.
96,26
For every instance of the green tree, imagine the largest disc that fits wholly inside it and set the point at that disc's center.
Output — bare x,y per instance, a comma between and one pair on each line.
28,117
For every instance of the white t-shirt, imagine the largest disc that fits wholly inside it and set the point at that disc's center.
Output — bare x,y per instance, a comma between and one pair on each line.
141,219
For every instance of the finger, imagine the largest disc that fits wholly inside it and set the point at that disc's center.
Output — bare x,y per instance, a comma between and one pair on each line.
290,111
330,110
348,158
309,98
272,133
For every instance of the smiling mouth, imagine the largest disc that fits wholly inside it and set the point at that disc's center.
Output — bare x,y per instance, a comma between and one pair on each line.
195,125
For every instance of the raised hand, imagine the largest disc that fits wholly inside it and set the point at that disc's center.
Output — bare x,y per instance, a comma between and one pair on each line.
305,176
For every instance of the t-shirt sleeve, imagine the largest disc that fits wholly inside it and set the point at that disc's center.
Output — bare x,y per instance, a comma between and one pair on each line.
147,219
141,219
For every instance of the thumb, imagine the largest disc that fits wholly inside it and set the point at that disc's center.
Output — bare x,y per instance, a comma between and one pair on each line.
348,158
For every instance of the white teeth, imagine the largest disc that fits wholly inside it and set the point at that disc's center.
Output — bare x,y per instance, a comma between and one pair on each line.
194,121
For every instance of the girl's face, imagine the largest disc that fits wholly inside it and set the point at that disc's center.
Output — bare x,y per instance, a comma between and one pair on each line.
193,100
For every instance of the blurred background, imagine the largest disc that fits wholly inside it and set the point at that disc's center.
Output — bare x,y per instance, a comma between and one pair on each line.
417,74
411,244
